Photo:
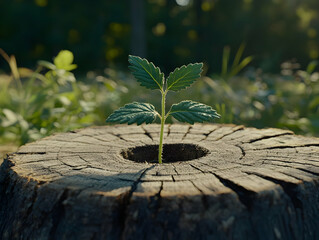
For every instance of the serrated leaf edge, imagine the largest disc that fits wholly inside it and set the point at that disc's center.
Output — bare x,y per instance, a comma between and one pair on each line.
153,108
179,68
144,59
215,115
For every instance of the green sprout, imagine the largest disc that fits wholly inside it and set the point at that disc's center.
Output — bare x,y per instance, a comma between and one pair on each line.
151,77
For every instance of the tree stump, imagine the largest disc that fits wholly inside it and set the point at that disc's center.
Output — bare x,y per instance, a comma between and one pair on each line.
216,182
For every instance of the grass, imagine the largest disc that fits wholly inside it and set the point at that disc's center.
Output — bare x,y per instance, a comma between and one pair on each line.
37,103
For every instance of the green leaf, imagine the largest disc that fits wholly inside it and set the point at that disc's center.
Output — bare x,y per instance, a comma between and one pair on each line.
11,117
146,73
47,65
134,113
184,76
236,69
312,66
64,60
314,103
191,112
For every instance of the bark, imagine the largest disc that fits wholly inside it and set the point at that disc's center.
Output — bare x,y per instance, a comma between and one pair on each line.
253,184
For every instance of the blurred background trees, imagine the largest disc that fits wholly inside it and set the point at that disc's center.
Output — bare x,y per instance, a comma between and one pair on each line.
260,61
168,32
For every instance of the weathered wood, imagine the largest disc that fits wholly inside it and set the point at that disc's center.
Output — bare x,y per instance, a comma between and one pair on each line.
5,149
253,184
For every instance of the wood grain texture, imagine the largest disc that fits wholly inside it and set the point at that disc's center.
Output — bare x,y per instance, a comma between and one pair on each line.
253,184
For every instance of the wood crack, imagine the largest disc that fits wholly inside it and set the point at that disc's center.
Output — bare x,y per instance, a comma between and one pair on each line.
268,137
290,146
173,178
284,169
199,169
291,191
288,188
125,202
246,197
102,140
174,167
29,153
155,201
308,171
38,161
187,132
120,137
227,134
169,130
243,153
235,190
204,196
148,134
289,161
207,134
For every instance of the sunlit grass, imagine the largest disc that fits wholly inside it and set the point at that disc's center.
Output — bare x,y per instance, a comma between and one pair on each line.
37,103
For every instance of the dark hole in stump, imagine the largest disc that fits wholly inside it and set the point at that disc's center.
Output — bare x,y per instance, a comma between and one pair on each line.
171,153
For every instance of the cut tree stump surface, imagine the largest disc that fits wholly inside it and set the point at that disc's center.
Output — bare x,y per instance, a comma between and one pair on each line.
252,184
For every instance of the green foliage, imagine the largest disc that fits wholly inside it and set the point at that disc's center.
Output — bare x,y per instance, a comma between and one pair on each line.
183,77
134,113
191,112
226,114
151,77
64,60
263,100
30,109
175,34
238,64
34,104
257,99
146,73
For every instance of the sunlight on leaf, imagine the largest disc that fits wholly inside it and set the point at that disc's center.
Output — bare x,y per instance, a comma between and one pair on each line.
64,60
184,76
191,112
146,73
134,113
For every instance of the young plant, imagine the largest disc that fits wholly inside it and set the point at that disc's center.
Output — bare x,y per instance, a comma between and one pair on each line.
151,77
